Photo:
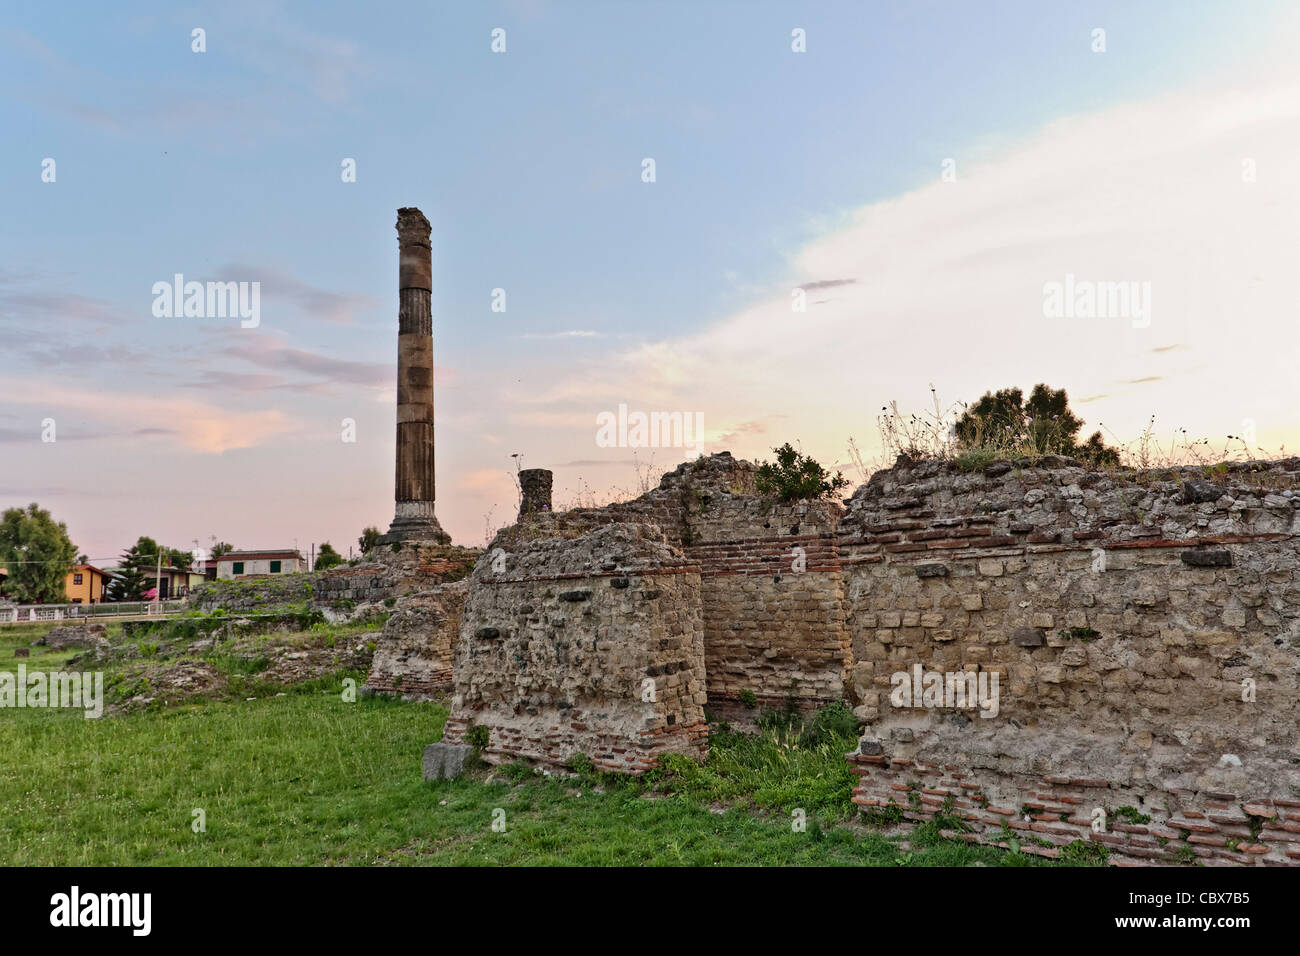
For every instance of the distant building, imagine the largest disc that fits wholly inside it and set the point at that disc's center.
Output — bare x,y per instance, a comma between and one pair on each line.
170,583
85,584
238,564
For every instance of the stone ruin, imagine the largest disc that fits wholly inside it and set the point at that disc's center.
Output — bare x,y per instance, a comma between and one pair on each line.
79,634
591,645
1143,628
1028,646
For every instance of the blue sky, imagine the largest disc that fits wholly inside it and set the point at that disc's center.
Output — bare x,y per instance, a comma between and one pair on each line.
226,165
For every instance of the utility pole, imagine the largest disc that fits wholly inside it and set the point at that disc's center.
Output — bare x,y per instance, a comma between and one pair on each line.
157,581
311,563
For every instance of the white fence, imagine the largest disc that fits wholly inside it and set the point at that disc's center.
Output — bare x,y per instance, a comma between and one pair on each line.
30,613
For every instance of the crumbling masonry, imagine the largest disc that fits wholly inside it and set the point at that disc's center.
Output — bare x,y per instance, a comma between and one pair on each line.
1143,628
1037,652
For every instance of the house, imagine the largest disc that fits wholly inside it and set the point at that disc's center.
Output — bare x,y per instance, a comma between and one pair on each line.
171,582
85,584
238,564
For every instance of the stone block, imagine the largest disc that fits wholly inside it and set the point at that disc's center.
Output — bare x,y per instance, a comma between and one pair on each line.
1027,637
443,761
1217,558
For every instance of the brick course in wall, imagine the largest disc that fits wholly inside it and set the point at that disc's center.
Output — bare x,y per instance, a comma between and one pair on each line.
1048,812
774,604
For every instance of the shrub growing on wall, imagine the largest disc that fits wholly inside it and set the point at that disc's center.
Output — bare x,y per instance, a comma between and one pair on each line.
796,477
1042,425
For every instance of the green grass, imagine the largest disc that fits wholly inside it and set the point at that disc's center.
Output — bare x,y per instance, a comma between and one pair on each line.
13,636
306,779
309,779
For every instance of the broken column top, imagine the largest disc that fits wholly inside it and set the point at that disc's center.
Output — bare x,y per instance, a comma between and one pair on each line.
412,226
415,253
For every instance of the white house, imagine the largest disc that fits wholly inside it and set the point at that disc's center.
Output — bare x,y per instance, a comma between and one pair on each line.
238,564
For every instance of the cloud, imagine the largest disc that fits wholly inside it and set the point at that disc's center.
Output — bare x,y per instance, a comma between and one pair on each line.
56,307
197,426
946,283
267,352
340,308
744,429
570,334
595,463
826,284
485,480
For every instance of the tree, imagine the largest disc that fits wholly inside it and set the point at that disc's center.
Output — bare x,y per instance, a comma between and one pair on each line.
1043,425
139,568
327,557
369,538
220,548
37,553
795,476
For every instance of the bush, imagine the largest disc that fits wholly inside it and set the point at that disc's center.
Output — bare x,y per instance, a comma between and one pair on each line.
796,477
833,722
478,736
1006,423
581,764
748,699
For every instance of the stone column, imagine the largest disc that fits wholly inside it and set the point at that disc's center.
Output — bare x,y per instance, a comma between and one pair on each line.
414,520
535,485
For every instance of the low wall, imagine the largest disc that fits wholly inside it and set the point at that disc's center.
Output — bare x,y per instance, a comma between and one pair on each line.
589,647
414,653
383,575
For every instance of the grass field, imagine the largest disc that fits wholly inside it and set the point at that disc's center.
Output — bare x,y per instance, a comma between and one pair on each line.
307,778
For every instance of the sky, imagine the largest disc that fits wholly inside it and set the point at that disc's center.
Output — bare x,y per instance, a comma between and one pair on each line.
922,171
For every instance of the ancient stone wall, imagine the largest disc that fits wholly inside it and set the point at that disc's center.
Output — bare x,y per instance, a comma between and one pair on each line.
390,574
414,654
588,646
1142,630
773,604
1031,647
383,575
771,589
